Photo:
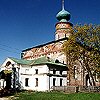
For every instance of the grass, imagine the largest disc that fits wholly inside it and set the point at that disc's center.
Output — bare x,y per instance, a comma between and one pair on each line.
56,96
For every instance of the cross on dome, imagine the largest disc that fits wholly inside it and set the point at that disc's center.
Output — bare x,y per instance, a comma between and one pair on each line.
63,15
62,4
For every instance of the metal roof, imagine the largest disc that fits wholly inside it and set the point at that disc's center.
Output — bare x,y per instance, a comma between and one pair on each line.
21,61
39,61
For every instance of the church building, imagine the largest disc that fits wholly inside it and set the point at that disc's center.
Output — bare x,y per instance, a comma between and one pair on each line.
44,66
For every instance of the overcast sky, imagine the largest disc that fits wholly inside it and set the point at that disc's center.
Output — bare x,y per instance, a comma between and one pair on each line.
27,23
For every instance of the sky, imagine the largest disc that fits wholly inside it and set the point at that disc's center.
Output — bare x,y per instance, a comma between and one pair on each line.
28,23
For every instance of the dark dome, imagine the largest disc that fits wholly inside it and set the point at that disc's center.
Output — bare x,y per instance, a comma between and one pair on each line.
63,16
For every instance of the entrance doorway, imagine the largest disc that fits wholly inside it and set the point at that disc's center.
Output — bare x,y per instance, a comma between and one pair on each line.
6,79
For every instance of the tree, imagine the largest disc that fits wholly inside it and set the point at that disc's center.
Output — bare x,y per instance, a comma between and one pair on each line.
84,46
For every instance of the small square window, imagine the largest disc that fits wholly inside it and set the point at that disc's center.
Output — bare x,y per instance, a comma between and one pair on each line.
60,72
26,71
36,71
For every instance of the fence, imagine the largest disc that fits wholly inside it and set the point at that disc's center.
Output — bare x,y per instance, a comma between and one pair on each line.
73,89
65,88
89,88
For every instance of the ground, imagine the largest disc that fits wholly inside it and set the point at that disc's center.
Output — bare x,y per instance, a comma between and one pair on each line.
28,95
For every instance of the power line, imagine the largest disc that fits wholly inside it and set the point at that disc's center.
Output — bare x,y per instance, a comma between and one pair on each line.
9,50
10,47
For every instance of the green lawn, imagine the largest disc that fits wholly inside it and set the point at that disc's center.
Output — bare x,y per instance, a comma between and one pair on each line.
56,96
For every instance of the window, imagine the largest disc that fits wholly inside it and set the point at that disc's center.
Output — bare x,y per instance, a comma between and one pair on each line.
36,81
36,71
61,72
26,81
65,35
54,71
57,61
26,71
58,36
61,82
75,72
54,81
8,63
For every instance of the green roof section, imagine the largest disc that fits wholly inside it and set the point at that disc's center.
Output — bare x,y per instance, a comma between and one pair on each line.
42,60
46,60
21,61
39,61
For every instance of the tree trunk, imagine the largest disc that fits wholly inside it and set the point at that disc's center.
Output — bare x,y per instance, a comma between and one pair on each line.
85,61
91,75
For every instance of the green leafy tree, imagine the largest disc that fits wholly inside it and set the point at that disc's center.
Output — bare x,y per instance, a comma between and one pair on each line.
84,46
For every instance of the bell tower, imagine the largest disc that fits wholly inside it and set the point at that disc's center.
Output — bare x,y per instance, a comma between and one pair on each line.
63,26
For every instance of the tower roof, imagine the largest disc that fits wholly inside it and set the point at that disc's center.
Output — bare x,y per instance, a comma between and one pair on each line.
63,15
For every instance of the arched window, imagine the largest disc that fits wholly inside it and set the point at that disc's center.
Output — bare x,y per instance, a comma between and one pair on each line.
8,63
75,72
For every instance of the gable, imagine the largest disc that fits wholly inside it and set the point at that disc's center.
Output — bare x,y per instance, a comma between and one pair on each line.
7,64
